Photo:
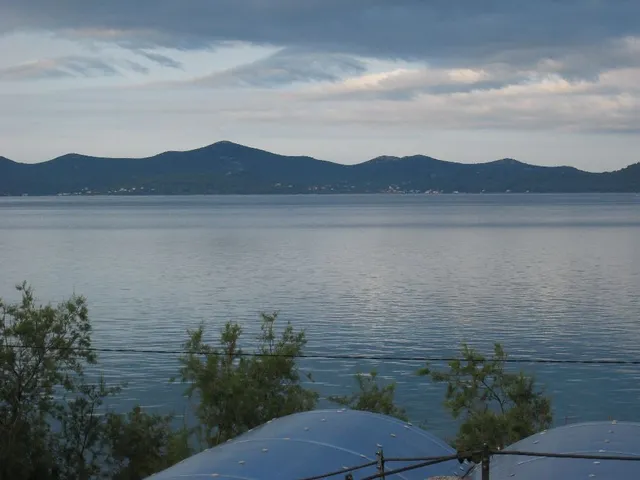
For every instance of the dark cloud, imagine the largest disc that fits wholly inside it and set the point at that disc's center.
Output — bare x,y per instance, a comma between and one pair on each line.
439,31
285,67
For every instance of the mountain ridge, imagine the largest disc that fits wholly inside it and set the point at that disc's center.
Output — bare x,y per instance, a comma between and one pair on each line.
230,168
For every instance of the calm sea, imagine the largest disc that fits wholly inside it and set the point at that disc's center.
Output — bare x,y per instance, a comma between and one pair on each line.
549,276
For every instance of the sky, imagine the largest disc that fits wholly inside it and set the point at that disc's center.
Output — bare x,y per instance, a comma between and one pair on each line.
550,82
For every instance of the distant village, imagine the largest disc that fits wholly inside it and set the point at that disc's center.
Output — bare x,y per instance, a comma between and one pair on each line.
391,189
120,191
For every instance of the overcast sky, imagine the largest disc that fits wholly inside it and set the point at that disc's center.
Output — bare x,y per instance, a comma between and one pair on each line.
548,82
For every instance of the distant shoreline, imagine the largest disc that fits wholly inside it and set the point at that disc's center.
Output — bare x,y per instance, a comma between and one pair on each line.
333,194
225,168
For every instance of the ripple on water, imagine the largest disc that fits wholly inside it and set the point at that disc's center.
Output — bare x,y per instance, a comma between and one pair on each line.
547,276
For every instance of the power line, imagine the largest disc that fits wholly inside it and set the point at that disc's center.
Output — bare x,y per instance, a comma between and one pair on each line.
516,360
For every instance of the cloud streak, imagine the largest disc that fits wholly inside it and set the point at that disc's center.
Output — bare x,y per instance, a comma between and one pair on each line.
70,66
73,66
285,67
162,60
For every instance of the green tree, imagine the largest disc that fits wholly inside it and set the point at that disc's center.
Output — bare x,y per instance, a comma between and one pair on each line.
140,444
372,397
235,392
77,443
496,407
53,424
43,355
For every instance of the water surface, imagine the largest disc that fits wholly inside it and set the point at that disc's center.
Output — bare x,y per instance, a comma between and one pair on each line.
552,276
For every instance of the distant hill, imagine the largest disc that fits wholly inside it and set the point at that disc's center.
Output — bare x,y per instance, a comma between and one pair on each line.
229,168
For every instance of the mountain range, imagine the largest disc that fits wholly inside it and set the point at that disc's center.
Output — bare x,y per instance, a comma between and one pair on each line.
229,168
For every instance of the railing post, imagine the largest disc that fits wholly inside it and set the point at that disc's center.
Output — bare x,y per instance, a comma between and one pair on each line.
380,456
485,462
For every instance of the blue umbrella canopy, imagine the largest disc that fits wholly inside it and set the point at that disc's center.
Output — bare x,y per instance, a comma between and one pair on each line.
593,438
314,443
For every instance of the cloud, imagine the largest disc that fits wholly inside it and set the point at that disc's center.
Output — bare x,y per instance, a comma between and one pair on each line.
580,61
285,67
134,66
439,30
571,65
137,39
406,84
162,60
83,66
551,103
328,40
69,66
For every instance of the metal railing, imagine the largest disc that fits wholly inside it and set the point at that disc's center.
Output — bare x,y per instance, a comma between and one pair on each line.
485,465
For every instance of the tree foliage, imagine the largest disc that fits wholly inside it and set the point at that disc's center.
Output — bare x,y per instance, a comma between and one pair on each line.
53,424
496,407
372,397
236,392
140,444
